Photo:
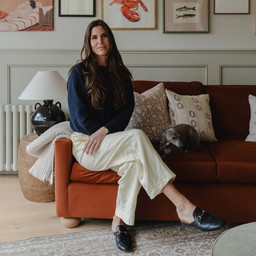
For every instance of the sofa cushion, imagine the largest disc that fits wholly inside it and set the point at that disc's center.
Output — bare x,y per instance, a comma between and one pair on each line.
193,110
236,161
82,174
252,125
150,112
187,167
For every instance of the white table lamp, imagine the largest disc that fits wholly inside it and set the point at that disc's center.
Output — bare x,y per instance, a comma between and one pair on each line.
46,86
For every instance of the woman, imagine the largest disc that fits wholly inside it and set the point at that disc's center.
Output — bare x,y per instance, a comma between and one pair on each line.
101,102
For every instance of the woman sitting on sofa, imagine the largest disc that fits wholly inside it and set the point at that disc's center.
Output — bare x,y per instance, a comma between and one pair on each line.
101,102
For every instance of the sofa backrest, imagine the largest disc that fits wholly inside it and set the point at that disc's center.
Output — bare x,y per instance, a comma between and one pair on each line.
230,109
229,103
183,88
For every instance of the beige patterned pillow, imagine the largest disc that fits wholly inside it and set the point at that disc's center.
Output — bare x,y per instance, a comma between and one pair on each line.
192,110
150,112
252,125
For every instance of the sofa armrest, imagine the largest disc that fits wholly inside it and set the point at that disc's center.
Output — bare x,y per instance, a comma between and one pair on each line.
63,165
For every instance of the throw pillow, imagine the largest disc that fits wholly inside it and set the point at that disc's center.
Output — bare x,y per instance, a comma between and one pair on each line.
252,124
150,112
193,110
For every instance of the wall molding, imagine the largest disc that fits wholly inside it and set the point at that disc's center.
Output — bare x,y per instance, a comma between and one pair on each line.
39,66
156,67
237,69
153,51
209,66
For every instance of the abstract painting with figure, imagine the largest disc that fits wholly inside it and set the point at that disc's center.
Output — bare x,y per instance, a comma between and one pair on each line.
24,15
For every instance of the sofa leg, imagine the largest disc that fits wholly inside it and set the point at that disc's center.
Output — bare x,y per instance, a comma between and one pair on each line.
70,222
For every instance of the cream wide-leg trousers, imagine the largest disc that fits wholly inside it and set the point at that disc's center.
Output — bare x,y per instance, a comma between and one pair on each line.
130,154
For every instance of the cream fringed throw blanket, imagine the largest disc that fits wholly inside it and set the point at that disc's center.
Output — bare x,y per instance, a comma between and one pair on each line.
43,149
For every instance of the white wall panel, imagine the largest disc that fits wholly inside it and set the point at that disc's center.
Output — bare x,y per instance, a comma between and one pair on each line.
238,74
18,67
169,73
20,75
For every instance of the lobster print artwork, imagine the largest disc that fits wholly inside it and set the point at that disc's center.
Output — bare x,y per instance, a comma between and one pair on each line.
130,9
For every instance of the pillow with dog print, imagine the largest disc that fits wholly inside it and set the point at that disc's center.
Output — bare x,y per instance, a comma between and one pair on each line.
150,112
252,125
193,110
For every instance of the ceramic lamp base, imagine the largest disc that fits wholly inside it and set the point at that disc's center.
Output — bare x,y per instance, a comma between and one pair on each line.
46,115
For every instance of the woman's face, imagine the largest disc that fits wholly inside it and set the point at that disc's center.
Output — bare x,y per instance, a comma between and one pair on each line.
100,44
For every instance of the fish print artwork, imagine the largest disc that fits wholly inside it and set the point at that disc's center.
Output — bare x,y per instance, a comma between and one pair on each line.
185,9
186,12
185,15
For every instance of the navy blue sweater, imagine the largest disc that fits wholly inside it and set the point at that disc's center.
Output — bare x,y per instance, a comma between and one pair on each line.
84,117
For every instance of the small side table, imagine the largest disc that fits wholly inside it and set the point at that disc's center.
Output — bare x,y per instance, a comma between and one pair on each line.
33,189
237,241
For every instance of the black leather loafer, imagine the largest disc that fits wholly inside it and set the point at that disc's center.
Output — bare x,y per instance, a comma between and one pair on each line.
123,239
205,221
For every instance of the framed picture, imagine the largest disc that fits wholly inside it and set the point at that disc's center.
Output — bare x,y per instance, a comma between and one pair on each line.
254,17
77,8
19,15
186,16
231,6
129,14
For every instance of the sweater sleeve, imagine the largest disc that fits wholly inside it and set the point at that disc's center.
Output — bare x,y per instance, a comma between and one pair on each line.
81,119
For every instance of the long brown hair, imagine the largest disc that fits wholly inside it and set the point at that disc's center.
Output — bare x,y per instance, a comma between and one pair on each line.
118,71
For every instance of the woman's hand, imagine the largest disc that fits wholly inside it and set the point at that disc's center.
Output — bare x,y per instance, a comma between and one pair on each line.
95,140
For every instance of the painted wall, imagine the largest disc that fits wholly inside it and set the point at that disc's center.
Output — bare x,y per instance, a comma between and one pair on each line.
226,55
226,32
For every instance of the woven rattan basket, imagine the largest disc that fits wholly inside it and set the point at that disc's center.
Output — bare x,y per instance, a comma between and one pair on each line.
33,189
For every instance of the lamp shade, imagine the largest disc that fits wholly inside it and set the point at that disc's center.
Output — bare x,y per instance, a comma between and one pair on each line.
45,85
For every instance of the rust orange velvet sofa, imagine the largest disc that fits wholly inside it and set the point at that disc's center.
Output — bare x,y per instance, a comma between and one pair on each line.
220,178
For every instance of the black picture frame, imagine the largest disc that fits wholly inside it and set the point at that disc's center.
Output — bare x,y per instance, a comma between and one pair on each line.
80,8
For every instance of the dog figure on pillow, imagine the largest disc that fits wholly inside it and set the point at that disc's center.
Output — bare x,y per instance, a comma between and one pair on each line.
178,139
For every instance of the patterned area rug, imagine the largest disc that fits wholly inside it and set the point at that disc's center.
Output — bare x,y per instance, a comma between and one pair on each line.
149,239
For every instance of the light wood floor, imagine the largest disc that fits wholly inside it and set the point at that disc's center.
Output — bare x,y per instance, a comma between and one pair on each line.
21,219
